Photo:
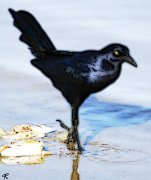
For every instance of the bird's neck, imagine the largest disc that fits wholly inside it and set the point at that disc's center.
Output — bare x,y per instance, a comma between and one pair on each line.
105,71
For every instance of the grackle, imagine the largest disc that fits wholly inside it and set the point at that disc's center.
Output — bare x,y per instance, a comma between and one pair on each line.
75,74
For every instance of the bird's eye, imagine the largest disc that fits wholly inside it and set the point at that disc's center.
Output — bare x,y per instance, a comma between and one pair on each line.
116,53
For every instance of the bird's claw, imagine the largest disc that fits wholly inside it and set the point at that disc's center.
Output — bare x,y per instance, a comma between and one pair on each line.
63,125
72,137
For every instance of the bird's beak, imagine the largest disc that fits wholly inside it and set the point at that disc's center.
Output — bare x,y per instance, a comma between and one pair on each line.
130,60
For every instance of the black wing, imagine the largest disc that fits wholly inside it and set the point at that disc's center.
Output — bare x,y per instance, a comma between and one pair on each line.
52,55
66,67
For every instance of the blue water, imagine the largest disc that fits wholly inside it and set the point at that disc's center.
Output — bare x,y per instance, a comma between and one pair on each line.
101,115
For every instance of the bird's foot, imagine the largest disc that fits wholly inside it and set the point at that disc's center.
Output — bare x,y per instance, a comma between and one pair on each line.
63,125
72,138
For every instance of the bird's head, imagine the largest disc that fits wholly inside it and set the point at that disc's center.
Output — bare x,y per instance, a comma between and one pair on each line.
117,54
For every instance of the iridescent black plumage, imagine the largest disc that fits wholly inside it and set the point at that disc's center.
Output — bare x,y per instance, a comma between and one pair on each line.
75,74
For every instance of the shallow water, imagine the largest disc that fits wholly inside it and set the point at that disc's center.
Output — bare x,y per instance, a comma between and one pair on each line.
100,125
102,115
115,125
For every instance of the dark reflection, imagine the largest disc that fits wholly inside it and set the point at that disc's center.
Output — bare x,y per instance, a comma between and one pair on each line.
75,163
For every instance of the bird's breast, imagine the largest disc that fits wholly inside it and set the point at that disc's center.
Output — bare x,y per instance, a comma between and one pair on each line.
101,79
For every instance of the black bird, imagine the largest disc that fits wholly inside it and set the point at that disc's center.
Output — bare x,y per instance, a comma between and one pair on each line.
75,74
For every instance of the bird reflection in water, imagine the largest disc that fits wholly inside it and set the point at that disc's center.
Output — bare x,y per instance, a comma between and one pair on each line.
75,163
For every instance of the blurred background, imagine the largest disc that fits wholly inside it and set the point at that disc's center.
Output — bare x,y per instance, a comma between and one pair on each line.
74,25
80,25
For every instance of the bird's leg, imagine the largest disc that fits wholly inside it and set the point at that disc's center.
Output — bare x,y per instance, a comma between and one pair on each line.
73,135
75,123
70,140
